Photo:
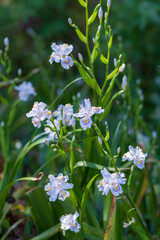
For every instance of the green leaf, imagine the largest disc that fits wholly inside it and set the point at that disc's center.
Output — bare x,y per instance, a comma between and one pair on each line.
94,14
106,208
83,203
92,233
115,140
91,82
108,107
48,233
11,228
83,4
103,59
23,152
41,209
115,227
3,100
136,227
80,34
108,93
111,75
96,166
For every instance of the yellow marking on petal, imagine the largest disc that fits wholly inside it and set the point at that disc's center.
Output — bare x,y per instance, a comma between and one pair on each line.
85,120
139,161
116,188
66,61
24,93
49,188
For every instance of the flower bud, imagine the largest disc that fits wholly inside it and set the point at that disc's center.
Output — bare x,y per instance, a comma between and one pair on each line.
108,3
122,67
19,72
6,41
80,57
70,21
100,140
124,82
115,62
100,14
118,150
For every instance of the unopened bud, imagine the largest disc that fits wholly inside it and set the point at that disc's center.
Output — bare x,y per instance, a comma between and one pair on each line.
115,62
124,82
70,21
100,14
100,140
19,72
118,150
80,57
108,3
99,28
78,94
122,67
105,14
93,40
6,41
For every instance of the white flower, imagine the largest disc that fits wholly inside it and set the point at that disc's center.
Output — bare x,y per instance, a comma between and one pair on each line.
25,89
39,113
125,225
69,222
60,54
111,182
57,187
136,155
85,113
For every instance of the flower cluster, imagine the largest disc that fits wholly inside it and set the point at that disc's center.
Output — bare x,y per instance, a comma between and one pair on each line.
136,155
39,113
57,187
25,89
85,113
69,222
65,113
60,54
111,182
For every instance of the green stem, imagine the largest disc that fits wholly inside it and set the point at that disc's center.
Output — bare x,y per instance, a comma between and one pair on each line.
129,197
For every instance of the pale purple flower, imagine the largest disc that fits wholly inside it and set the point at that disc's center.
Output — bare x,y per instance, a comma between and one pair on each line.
57,187
39,113
85,113
136,155
25,90
60,54
69,222
111,182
